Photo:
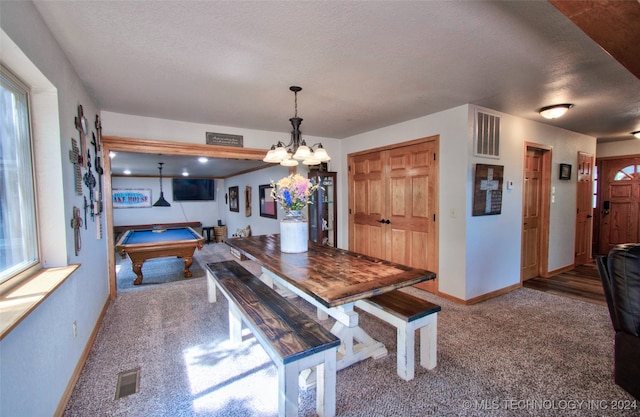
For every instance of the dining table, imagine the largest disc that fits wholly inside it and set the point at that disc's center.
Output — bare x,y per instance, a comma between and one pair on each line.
332,280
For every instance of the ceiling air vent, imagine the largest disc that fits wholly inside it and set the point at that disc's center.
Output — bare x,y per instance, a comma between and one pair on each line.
487,135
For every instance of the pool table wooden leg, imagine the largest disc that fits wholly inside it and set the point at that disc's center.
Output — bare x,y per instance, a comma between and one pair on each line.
188,260
137,268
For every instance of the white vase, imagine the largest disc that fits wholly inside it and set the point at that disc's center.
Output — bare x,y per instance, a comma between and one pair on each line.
294,233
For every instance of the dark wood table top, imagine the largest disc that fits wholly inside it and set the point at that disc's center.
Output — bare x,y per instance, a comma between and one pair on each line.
331,276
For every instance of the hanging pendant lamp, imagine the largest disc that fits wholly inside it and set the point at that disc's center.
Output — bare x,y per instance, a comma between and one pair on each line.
161,201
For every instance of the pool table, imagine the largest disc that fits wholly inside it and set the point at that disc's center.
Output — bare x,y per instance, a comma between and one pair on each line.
141,245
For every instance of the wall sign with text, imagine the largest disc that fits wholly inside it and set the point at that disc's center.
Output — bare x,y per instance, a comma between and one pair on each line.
131,197
224,139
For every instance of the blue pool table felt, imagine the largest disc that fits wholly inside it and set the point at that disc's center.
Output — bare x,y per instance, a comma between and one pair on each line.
150,236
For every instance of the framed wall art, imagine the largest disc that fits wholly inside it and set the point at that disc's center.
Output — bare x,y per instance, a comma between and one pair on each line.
247,201
267,202
565,171
234,204
487,190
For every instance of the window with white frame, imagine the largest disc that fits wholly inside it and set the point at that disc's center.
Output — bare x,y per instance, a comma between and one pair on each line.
18,233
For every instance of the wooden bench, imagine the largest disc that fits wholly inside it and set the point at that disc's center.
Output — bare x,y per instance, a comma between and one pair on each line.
407,313
293,340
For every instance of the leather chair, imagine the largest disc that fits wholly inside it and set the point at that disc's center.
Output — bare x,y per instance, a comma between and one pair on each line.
620,275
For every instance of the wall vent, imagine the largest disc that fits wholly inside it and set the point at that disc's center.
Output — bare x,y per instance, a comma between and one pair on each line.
487,135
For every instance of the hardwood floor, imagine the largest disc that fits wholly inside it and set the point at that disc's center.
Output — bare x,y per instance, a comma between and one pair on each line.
582,283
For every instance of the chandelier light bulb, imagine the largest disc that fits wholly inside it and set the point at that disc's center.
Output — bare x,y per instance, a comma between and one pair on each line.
321,154
271,157
312,160
289,162
280,153
303,152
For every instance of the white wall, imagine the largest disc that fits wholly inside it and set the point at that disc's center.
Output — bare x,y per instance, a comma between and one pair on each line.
619,148
259,225
206,212
117,124
39,356
493,242
478,255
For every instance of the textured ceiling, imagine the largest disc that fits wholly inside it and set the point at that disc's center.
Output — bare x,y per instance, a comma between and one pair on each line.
362,65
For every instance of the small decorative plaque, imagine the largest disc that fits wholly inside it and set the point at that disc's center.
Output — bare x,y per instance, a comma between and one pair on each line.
223,139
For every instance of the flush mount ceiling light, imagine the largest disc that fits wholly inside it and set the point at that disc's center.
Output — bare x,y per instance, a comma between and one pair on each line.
161,201
636,134
297,149
555,111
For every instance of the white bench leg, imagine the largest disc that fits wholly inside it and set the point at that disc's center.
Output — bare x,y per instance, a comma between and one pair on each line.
429,343
266,279
288,390
428,327
321,314
235,324
405,351
211,288
326,385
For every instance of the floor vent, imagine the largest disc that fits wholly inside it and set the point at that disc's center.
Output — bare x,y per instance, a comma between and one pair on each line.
487,135
128,383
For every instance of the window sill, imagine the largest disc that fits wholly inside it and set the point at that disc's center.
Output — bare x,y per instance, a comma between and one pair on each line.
19,302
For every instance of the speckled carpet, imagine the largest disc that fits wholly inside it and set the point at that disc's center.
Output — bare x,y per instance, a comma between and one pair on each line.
526,353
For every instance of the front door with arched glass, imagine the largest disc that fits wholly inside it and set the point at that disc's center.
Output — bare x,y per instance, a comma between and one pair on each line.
618,202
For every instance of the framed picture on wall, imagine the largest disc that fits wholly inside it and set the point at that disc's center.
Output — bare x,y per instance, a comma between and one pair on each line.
247,201
487,190
267,203
234,204
565,171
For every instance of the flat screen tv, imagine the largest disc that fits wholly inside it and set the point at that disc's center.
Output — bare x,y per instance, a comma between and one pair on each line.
193,189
